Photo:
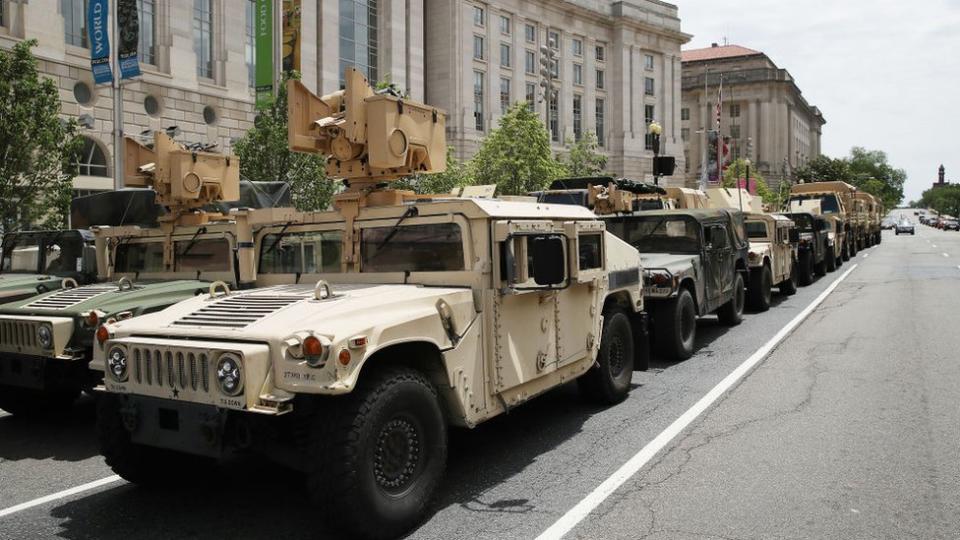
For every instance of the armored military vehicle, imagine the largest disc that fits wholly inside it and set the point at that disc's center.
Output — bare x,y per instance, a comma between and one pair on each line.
35,262
389,319
814,249
871,213
46,340
695,263
611,193
837,205
773,258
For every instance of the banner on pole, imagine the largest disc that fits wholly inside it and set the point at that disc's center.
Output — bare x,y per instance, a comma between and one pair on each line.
291,35
129,41
263,75
98,33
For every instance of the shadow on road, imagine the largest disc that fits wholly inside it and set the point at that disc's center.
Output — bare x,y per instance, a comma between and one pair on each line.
68,436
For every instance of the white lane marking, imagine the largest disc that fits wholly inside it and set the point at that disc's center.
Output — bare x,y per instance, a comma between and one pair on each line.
59,495
589,503
934,245
946,254
3,413
865,255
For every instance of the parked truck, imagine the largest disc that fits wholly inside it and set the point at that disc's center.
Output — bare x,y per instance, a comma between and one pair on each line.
35,262
836,203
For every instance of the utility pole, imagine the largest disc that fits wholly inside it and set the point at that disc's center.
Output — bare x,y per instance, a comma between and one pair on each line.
548,66
118,144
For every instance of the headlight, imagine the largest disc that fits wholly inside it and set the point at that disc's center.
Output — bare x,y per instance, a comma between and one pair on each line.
45,336
230,374
117,364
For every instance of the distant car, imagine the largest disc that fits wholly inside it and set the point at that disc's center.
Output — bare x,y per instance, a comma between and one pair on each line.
888,224
905,227
951,225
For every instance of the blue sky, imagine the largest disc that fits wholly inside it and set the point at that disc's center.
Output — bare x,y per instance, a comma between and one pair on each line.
885,73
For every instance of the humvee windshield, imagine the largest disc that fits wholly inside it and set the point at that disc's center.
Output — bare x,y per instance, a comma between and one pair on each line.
21,254
756,229
143,257
804,223
63,255
828,202
306,252
659,234
201,255
434,247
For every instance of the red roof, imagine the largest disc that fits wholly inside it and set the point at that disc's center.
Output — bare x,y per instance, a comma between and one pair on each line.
716,53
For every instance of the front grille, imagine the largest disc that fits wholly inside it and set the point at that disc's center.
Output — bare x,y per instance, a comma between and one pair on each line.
173,370
70,297
18,334
237,311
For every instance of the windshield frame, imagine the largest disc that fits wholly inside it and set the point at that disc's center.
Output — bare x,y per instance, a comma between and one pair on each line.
228,276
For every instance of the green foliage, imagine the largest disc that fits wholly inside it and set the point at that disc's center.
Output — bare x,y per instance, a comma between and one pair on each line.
456,175
945,200
38,152
516,155
266,156
738,169
583,157
869,170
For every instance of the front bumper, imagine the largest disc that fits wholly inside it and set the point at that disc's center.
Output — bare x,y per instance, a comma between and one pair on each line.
44,373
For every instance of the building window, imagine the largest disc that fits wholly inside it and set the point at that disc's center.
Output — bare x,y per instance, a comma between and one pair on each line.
553,39
74,22
648,84
685,134
648,115
203,36
686,161
358,38
601,138
504,95
148,31
251,45
505,25
478,77
555,69
577,47
530,33
734,132
735,110
92,160
601,83
648,62
479,16
577,117
577,74
601,53
478,47
530,62
504,55
684,114
554,120
531,94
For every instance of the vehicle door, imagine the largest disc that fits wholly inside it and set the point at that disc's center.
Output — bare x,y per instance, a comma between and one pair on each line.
719,261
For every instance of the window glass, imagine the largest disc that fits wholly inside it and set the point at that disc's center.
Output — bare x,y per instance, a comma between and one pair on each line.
530,33
684,113
648,86
577,47
590,251
601,53
359,46
203,36
479,16
139,257
828,202
146,10
21,254
718,238
312,252
648,61
756,229
505,25
74,22
63,256
478,47
504,55
530,62
203,255
436,247
661,234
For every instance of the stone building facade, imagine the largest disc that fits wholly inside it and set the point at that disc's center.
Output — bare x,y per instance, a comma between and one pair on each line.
619,69
765,115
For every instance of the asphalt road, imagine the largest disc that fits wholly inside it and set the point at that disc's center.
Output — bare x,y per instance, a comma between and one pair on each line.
848,429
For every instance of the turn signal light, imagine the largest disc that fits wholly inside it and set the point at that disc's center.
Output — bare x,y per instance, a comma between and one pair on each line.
93,318
344,357
661,280
102,335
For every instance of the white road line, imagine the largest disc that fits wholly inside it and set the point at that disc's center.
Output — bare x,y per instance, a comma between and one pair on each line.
582,509
934,245
946,254
59,495
865,255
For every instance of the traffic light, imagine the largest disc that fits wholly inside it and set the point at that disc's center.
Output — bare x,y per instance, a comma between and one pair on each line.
548,71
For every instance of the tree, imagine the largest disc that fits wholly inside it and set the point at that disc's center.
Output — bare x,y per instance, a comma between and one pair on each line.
456,175
266,156
516,155
738,170
824,169
867,165
945,200
38,151
583,157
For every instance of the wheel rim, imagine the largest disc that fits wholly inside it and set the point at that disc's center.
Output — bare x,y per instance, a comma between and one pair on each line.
397,455
615,357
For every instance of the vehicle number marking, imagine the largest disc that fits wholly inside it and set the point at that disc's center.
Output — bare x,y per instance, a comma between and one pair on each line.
234,403
296,375
114,387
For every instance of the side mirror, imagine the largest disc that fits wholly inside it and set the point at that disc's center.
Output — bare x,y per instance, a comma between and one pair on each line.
547,260
795,236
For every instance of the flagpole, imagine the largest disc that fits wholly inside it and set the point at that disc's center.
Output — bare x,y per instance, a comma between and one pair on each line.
117,100
719,133
705,155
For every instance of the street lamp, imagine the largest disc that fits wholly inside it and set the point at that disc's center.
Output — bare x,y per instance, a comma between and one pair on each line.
655,130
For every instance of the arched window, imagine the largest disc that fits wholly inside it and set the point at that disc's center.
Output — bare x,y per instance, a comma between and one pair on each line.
92,160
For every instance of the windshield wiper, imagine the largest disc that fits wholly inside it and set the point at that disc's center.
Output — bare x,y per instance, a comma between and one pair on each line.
193,241
412,211
280,235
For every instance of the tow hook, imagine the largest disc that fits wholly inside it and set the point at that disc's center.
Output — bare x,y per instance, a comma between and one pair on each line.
130,416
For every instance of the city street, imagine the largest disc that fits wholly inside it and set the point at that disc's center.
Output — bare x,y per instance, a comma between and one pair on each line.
847,429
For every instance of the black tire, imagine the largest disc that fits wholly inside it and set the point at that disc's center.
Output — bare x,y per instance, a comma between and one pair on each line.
731,313
32,403
675,324
845,252
789,286
143,465
820,268
805,266
853,249
378,454
608,382
760,292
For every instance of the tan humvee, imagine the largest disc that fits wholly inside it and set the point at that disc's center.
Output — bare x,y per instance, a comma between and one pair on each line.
837,204
835,235
772,259
734,198
374,327
871,213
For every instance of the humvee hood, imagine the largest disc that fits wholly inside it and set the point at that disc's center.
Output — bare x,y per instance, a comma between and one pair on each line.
262,314
668,261
17,286
106,297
